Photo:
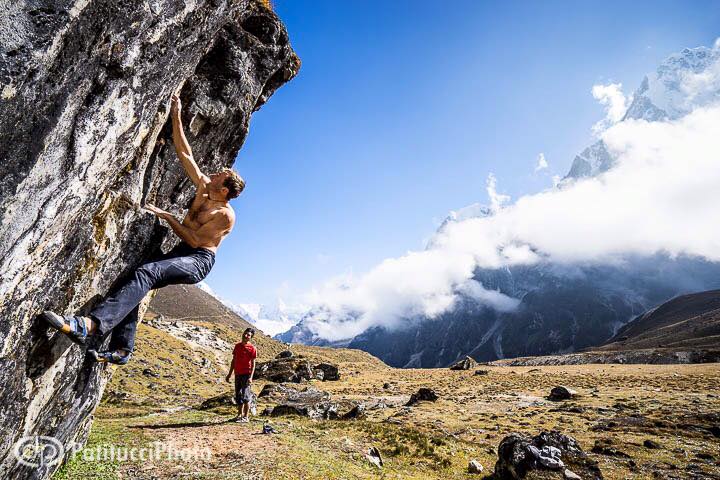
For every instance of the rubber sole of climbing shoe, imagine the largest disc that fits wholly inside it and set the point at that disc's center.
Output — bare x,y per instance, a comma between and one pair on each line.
58,323
108,357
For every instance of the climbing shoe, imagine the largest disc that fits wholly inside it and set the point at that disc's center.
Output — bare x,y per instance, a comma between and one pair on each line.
71,325
110,357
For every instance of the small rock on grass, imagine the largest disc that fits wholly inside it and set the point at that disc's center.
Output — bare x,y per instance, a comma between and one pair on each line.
475,467
464,364
423,394
651,444
562,392
568,475
373,456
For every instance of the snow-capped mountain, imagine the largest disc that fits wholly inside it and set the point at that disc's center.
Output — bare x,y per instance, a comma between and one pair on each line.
593,161
684,81
562,308
271,319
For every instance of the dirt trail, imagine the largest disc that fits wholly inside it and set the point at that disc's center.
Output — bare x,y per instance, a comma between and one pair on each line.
236,450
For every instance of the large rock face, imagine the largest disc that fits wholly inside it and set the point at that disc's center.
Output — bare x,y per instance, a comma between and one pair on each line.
84,140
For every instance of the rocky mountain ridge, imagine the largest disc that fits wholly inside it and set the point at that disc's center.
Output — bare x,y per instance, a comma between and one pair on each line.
563,308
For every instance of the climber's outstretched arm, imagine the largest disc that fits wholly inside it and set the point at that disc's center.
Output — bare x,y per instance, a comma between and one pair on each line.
182,147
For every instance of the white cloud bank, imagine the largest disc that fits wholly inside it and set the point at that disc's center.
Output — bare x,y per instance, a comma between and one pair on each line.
616,104
661,196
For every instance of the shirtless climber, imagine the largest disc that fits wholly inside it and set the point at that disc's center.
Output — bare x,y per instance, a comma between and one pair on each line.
208,221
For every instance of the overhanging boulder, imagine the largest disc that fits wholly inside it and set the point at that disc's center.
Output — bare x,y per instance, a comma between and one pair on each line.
85,140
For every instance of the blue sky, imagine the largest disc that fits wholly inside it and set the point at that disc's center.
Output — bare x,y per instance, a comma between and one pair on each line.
402,109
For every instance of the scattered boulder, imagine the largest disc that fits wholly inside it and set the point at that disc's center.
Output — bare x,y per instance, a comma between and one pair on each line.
309,402
373,456
358,411
387,386
288,409
279,370
606,446
282,393
295,369
651,444
549,451
330,371
562,393
222,400
150,373
475,467
570,475
322,410
284,354
423,394
464,364
482,372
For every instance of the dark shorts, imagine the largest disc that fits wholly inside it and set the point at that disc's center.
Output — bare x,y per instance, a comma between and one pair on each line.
243,393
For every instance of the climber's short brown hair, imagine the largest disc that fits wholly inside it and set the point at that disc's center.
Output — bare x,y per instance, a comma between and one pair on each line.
234,183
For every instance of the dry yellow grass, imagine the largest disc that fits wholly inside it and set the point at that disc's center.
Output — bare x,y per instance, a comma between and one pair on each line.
673,405
180,375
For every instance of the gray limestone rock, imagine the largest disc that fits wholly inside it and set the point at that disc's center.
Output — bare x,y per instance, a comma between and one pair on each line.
562,392
465,363
548,452
84,141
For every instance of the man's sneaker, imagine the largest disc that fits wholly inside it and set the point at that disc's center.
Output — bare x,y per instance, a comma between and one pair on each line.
110,357
245,420
71,325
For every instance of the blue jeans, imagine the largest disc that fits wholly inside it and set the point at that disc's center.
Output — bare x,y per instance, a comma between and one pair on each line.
119,313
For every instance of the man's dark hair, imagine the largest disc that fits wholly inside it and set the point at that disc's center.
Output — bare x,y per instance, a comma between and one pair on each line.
234,183
251,331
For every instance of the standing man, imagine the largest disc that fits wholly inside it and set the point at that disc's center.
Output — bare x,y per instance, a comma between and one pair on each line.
208,221
243,364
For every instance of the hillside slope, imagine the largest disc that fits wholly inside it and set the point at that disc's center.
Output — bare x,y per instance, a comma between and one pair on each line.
685,329
184,346
687,321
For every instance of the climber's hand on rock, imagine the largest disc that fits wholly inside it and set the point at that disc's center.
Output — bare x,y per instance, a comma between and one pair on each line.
227,379
159,212
175,104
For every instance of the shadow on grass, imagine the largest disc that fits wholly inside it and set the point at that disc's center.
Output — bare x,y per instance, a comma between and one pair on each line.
180,425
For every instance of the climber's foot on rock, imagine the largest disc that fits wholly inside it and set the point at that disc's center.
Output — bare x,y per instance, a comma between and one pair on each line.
77,328
118,357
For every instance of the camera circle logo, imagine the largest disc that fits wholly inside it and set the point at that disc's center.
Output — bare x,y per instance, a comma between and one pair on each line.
38,451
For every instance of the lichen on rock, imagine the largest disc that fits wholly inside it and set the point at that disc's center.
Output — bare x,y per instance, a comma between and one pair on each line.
84,141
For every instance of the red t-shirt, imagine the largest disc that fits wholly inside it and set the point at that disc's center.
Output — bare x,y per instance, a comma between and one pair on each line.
243,355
